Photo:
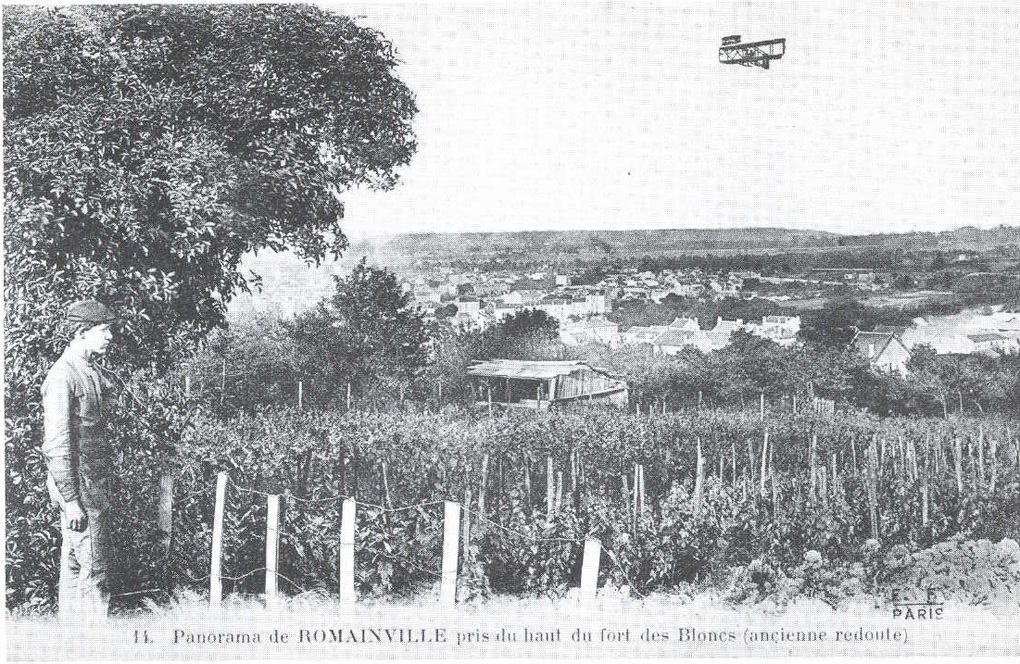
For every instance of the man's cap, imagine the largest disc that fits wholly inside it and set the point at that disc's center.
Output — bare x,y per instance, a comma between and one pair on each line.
90,311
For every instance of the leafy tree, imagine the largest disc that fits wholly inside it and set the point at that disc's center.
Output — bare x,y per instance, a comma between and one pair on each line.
367,333
248,366
531,334
147,148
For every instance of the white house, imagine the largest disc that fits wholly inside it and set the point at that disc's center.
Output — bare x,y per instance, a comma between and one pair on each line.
884,351
592,330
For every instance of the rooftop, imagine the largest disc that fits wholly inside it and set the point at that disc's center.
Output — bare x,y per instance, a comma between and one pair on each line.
527,369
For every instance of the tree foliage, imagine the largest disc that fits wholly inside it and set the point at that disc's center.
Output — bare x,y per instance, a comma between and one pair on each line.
148,148
530,334
367,333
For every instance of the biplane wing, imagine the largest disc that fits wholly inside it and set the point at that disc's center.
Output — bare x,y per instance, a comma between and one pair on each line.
751,54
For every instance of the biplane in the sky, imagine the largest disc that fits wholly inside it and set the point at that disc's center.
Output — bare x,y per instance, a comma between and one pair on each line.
750,54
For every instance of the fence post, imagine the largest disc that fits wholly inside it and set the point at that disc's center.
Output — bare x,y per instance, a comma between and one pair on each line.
348,396
764,456
347,520
448,583
272,549
215,582
761,407
301,395
590,570
166,510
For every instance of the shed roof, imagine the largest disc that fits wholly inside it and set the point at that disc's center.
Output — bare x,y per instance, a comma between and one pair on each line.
527,369
877,339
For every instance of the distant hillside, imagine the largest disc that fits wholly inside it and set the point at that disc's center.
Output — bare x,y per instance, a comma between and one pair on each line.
604,242
967,237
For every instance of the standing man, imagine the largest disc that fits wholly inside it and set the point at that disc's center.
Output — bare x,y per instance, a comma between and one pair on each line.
79,459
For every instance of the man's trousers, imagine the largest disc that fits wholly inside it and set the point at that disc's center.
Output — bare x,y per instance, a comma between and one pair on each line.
84,592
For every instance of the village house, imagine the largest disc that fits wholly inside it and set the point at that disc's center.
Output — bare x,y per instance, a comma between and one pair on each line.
994,343
779,329
638,334
467,304
592,330
674,340
883,350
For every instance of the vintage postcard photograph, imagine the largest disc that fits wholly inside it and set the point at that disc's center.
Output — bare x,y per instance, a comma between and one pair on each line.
519,330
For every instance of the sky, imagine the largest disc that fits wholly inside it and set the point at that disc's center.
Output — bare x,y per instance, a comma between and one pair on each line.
881,116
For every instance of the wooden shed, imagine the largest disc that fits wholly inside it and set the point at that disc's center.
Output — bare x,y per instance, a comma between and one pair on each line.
542,384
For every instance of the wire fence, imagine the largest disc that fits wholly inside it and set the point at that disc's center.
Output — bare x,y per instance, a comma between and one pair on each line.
375,510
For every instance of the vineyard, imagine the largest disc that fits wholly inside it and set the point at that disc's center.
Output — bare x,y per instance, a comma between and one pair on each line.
828,506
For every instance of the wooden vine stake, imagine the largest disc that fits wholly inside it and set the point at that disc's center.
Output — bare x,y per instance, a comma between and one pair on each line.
559,492
981,458
272,550
637,496
873,488
641,488
750,461
733,459
215,565
699,479
466,526
348,515
775,497
481,489
451,528
386,486
924,495
573,472
764,456
590,571
813,466
958,459
993,461
550,490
